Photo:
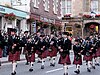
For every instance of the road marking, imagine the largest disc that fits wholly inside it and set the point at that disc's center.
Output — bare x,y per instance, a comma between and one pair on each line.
57,69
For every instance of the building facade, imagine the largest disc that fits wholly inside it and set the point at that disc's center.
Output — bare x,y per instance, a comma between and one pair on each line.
81,17
12,18
46,14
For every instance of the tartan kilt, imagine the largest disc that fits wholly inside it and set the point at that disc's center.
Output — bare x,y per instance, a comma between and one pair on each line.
88,58
43,54
63,60
77,61
52,53
38,52
14,57
94,55
0,53
98,52
18,55
31,58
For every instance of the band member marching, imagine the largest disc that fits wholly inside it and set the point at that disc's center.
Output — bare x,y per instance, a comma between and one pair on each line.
88,48
64,50
14,56
77,55
98,52
1,46
42,44
52,49
30,53
24,40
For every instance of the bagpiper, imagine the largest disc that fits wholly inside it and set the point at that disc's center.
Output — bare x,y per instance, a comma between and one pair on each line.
77,48
52,49
14,45
30,53
88,48
97,46
1,46
24,40
64,46
42,44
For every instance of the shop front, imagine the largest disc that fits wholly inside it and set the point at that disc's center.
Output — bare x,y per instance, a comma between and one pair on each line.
12,18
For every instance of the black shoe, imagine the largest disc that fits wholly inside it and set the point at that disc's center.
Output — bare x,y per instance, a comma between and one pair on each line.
39,61
30,70
88,70
93,67
13,73
0,63
27,63
77,72
42,67
65,73
97,64
52,64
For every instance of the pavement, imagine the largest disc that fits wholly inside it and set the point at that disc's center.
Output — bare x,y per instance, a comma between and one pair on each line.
23,69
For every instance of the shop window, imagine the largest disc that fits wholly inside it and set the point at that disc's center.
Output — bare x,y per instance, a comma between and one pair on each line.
68,28
9,22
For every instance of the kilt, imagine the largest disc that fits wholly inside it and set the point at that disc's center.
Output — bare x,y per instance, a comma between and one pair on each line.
63,60
31,58
77,61
52,53
0,53
18,55
14,57
98,52
43,54
88,58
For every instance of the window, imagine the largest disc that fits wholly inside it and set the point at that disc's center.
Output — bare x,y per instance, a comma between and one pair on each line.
55,3
68,6
63,7
46,5
94,5
35,2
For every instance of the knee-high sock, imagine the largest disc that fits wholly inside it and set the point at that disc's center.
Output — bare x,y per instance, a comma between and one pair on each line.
42,61
53,62
93,62
31,65
14,66
97,60
65,69
50,60
78,67
89,65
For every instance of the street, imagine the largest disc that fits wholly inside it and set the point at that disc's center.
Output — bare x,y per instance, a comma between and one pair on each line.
22,69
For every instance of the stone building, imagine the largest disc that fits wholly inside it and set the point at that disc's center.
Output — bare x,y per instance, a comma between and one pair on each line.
46,12
81,17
